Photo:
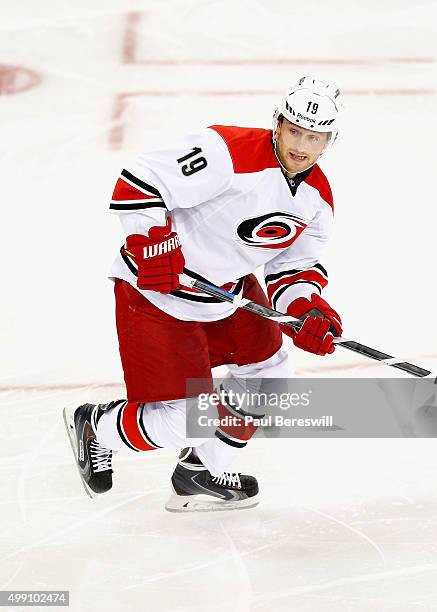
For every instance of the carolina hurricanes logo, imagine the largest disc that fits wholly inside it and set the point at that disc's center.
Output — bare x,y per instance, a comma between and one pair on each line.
273,231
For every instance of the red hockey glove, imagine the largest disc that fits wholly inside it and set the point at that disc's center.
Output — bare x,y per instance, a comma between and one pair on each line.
158,257
320,324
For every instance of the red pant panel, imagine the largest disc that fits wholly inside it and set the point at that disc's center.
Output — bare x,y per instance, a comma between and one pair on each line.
159,353
244,337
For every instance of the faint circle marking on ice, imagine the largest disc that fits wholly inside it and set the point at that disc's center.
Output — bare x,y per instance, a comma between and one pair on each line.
16,79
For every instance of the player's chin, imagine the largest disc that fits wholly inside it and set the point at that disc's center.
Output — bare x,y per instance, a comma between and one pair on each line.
301,166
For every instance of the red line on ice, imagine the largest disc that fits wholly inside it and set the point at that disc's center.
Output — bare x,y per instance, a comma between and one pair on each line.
117,131
130,39
116,385
129,55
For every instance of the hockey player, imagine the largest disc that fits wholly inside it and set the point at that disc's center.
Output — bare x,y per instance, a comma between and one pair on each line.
216,206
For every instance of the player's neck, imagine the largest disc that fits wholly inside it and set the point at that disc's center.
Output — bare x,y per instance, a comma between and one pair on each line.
289,175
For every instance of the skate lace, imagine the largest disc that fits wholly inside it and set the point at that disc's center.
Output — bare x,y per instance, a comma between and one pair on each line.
227,479
100,457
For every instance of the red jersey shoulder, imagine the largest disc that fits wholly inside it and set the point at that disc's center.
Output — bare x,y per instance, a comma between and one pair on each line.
251,149
318,180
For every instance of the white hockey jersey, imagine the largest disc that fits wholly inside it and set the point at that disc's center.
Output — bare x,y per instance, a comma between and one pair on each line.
234,211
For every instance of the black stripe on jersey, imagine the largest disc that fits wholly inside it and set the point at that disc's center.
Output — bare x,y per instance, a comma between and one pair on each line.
321,268
195,298
121,432
282,289
228,441
238,287
141,206
272,277
136,181
196,276
128,262
191,297
144,432
305,282
317,267
278,293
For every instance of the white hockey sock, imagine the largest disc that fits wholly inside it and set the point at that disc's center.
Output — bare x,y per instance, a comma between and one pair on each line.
134,426
219,454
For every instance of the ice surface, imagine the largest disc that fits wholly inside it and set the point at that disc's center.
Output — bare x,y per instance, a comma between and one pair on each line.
343,524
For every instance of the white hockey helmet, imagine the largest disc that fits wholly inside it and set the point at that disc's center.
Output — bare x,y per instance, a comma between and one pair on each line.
310,104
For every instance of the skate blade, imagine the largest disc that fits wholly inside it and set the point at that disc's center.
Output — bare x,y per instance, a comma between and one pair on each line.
201,503
69,426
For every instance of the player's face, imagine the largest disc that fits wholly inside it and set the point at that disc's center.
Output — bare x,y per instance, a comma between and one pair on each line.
298,148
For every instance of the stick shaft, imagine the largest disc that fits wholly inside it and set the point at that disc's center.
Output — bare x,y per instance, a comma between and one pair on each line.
270,313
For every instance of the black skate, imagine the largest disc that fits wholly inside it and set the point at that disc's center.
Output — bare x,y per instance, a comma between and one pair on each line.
195,490
94,462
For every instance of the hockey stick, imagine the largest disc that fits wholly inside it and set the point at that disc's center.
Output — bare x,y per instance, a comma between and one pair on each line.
280,317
